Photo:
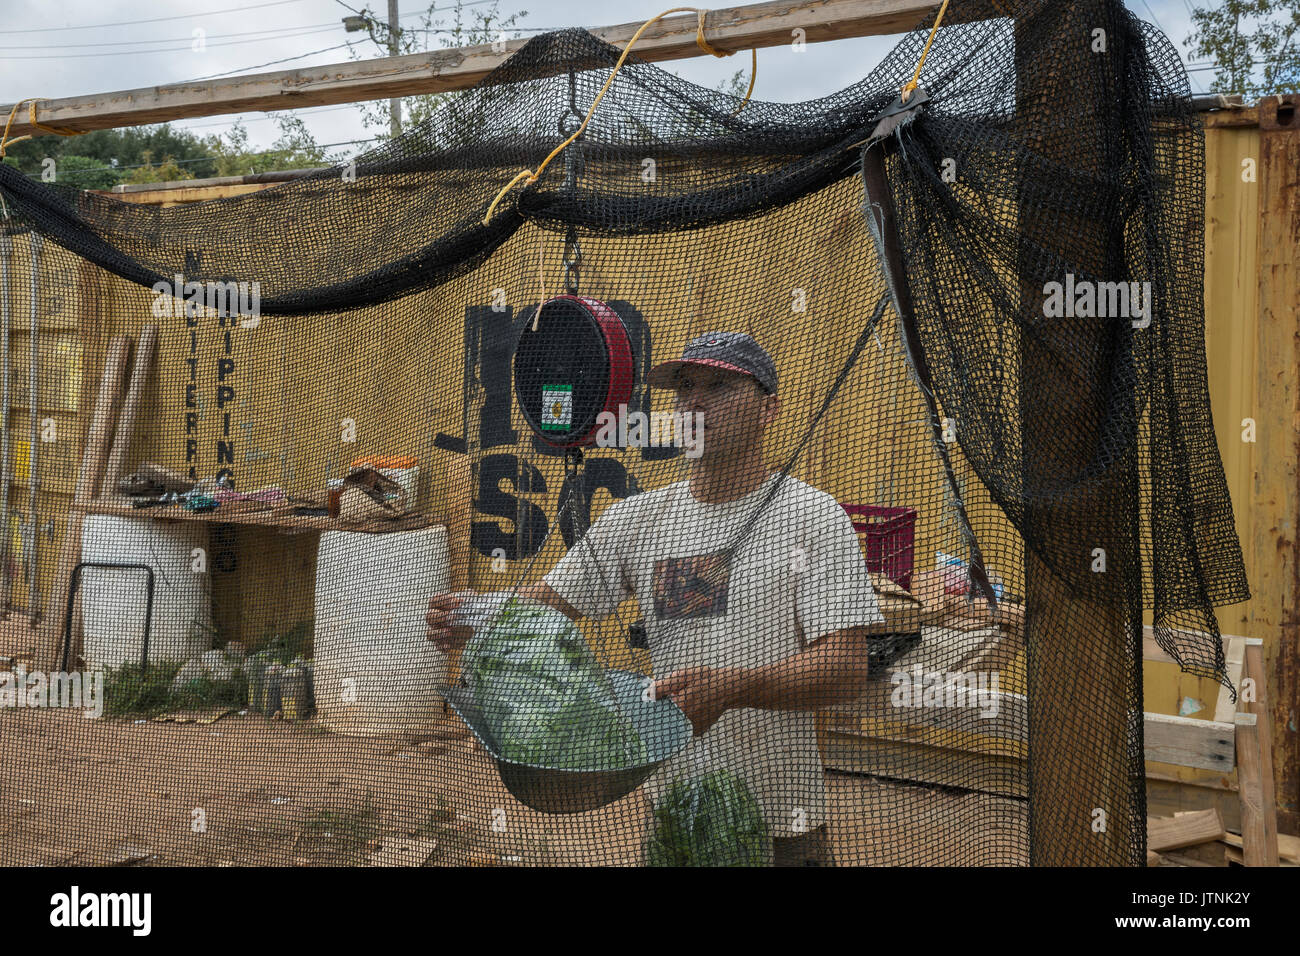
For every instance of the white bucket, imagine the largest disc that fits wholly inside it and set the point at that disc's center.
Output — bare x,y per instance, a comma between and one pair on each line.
113,600
375,671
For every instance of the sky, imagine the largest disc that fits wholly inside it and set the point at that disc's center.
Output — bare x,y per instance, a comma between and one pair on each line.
56,48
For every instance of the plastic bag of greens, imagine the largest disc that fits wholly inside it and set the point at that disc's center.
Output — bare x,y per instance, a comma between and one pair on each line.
543,695
709,819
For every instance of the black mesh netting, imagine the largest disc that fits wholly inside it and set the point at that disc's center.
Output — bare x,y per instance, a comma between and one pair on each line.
903,599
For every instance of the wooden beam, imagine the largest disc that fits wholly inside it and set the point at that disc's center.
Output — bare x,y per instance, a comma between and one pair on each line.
1235,659
674,38
1184,829
1271,537
1152,652
1183,741
1189,742
1255,767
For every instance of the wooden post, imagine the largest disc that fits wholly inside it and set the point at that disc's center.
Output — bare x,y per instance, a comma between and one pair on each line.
460,506
1083,674
117,459
1274,537
1255,767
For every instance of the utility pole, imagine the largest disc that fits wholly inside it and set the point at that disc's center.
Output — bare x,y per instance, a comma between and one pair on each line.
395,104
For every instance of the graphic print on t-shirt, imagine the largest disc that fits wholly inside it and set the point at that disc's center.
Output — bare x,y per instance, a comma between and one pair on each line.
693,586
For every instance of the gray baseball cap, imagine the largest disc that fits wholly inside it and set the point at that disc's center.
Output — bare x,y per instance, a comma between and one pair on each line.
733,351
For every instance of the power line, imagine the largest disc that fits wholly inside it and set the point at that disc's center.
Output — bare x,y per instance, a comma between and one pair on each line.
267,119
130,23
287,31
258,66
1155,19
169,49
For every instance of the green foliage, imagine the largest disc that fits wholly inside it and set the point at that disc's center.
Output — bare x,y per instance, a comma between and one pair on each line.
284,647
85,172
1241,35
708,820
295,148
339,835
119,149
484,27
165,172
130,691
544,696
104,158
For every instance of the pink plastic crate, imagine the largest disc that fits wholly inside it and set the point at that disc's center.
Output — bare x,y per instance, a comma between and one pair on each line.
888,537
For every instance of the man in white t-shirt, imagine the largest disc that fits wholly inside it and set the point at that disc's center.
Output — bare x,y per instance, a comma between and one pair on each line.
756,598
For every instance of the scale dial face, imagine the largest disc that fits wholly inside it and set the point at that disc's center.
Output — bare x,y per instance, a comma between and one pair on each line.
575,365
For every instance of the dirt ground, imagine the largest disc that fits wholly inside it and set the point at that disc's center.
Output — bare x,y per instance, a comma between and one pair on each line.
250,791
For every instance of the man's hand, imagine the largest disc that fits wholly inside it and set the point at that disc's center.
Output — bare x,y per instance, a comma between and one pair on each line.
703,693
438,619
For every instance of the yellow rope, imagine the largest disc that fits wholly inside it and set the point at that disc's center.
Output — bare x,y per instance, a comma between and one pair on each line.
699,39
916,77
6,142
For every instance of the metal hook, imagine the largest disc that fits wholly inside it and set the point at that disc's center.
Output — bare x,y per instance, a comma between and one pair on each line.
572,261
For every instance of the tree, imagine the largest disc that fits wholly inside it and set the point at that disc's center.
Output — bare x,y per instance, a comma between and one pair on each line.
85,172
485,27
120,149
295,148
166,172
1241,35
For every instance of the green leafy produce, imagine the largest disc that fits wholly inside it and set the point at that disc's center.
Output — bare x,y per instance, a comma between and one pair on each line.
543,695
708,820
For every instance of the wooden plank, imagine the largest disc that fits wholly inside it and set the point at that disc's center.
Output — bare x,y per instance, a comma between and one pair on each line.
145,351
1165,798
732,28
459,517
1273,536
402,851
1184,829
986,773
1212,853
1189,742
1224,119
1152,652
1288,847
93,461
1255,768
1235,656
1184,741
266,519
990,714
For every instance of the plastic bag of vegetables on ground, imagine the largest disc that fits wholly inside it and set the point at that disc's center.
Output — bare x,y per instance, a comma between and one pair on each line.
708,819
542,692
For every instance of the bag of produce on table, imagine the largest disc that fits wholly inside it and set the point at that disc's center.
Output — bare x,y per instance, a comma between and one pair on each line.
543,694
710,819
